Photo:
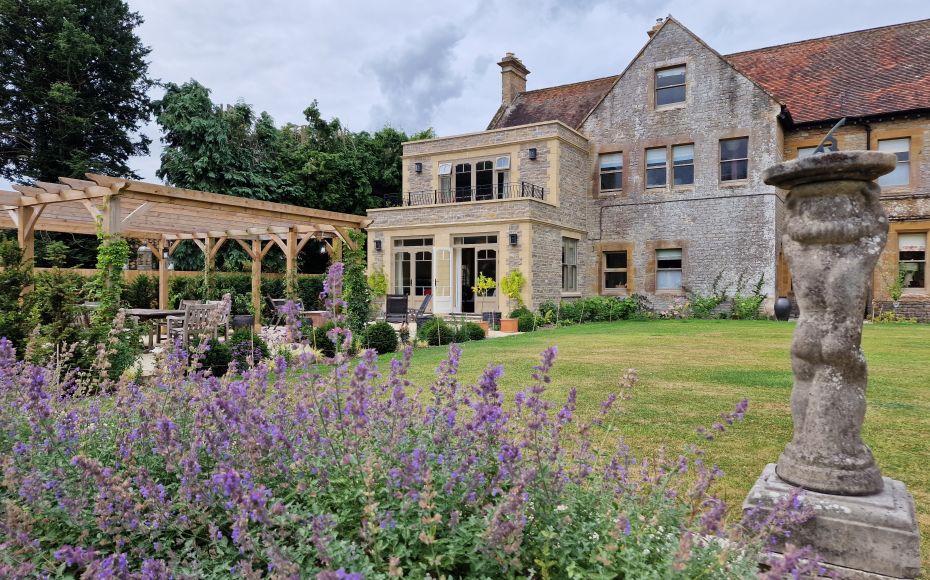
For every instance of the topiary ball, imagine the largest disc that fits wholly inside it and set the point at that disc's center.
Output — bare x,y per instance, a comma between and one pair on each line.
321,342
217,357
473,331
244,344
436,332
382,337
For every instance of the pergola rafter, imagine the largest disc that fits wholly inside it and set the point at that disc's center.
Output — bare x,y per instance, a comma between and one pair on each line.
164,216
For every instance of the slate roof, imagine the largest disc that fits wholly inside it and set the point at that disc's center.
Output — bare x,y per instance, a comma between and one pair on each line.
567,103
856,74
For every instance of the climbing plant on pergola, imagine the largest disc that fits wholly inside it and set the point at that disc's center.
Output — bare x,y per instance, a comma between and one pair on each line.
164,216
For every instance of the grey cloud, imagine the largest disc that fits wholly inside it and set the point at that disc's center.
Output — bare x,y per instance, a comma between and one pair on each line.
417,78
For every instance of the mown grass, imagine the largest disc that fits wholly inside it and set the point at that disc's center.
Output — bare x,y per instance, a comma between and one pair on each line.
691,371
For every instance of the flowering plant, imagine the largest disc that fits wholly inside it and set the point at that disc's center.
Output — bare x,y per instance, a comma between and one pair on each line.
296,472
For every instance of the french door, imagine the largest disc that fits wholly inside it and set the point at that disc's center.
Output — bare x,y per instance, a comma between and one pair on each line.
442,280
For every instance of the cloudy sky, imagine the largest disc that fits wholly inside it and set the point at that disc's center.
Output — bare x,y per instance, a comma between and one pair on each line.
430,63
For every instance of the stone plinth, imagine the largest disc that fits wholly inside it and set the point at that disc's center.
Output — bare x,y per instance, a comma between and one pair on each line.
874,536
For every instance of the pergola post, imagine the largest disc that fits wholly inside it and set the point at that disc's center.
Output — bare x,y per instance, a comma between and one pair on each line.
110,216
25,231
163,247
291,261
256,256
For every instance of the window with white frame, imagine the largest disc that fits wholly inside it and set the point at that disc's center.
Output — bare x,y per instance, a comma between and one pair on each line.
614,268
670,85
902,171
413,266
445,182
734,159
668,269
656,167
569,264
683,164
912,260
502,168
611,171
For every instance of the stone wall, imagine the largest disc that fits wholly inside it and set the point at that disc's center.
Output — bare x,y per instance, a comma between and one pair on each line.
916,308
723,227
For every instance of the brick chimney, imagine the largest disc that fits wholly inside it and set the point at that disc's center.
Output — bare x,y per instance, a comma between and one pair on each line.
655,27
513,78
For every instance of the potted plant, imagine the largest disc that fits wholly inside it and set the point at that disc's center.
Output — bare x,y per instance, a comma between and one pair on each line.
241,303
512,286
484,286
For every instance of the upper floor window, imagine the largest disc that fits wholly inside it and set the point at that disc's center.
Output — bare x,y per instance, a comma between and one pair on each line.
734,159
670,85
611,170
902,172
668,269
912,260
683,164
569,264
615,270
808,151
656,167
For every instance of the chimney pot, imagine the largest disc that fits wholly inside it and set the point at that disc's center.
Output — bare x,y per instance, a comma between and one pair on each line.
655,27
513,78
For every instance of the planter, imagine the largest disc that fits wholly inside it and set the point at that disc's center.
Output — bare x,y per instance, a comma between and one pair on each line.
510,325
241,320
492,318
484,326
782,308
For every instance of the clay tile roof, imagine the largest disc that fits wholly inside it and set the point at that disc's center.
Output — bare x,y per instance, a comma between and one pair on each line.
567,103
865,73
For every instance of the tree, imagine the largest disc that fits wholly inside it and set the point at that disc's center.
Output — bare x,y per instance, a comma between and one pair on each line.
73,88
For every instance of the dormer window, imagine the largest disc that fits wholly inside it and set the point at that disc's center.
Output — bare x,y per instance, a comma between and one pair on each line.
670,85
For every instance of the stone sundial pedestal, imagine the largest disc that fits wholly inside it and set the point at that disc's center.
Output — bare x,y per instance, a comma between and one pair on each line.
835,230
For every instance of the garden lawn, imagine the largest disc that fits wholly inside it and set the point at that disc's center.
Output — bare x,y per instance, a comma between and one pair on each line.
690,371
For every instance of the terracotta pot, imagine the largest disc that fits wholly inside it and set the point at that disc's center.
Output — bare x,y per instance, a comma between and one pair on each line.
509,325
484,326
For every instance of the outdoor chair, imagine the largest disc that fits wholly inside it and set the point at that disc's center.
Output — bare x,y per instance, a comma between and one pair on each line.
223,321
420,315
198,320
396,308
277,307
174,319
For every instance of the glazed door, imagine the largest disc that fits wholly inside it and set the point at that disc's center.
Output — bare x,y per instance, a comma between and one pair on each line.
442,280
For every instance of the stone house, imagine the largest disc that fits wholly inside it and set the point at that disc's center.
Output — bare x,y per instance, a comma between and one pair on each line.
650,182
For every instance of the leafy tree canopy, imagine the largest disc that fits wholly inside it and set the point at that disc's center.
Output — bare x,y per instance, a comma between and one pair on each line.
73,84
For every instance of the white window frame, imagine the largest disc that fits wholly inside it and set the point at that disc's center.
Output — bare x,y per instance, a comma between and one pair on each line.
922,242
609,170
676,165
904,161
657,88
569,264
669,254
732,160
663,168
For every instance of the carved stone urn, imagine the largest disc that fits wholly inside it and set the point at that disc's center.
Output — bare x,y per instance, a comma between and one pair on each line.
835,229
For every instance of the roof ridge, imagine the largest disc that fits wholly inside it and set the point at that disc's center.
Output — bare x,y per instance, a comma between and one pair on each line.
830,36
569,84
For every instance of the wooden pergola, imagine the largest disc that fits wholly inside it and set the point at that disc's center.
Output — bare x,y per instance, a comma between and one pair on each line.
164,216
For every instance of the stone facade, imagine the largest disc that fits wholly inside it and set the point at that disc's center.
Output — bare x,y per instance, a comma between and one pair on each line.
728,231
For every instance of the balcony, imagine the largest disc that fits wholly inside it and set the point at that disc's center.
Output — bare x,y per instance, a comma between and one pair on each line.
519,190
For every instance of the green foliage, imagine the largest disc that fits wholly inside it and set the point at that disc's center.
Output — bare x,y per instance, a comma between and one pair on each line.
377,282
595,309
747,307
892,317
245,344
382,337
73,88
512,286
526,320
217,357
470,331
56,309
705,306
483,285
15,276
321,342
436,332
357,292
896,288
142,292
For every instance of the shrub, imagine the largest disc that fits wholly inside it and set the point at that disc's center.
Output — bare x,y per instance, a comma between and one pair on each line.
142,292
15,276
705,306
512,286
745,307
321,342
526,320
472,331
217,357
382,337
56,309
244,344
436,331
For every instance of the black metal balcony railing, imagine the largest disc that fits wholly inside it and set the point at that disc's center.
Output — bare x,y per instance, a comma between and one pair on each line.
466,194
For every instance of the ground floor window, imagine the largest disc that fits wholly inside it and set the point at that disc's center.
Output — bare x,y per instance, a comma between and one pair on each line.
569,264
614,267
668,269
912,259
413,266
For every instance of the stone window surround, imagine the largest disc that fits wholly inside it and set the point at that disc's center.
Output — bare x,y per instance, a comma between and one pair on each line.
578,249
596,176
734,134
668,143
650,247
651,92
908,228
917,142
627,247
